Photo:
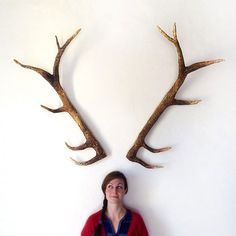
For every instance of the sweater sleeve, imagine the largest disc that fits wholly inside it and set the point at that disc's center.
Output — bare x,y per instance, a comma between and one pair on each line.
137,226
90,225
143,229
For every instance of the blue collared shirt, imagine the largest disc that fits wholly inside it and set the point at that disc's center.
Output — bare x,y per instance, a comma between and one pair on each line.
122,227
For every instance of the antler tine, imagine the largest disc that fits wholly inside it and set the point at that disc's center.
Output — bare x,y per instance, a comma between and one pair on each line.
202,64
144,164
165,34
47,76
53,79
89,162
60,53
174,31
168,100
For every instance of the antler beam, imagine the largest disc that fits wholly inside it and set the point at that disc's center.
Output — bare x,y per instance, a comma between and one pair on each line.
168,100
54,81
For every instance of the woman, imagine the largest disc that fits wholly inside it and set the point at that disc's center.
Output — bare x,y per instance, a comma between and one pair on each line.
114,219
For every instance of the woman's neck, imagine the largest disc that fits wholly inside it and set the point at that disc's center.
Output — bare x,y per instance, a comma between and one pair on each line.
115,211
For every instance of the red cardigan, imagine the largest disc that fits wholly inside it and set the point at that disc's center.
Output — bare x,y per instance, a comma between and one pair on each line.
136,228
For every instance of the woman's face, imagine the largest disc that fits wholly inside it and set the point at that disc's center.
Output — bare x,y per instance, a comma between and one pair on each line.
115,191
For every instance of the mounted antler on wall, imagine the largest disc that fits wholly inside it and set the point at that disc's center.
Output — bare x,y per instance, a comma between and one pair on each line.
54,81
168,100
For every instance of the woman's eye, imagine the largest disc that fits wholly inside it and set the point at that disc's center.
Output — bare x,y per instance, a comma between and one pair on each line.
120,187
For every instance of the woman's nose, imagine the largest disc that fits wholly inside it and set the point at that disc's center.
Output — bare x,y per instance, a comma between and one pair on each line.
114,190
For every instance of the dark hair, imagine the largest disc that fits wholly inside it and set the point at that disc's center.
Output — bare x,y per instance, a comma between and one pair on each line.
112,175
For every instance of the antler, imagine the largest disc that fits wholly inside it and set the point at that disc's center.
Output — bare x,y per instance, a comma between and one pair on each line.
168,100
53,80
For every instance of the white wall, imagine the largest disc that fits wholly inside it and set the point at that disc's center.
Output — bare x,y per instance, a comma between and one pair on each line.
116,72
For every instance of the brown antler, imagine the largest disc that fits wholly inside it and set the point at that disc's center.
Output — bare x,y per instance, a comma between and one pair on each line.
168,100
53,80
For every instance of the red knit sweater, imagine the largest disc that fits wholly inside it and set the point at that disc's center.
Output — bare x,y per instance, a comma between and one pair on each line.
136,228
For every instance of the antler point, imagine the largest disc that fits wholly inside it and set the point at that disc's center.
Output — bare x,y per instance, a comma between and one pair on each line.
76,162
220,60
154,166
17,62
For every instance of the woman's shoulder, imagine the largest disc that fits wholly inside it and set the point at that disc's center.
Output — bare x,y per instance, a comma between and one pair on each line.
90,224
95,216
135,215
137,225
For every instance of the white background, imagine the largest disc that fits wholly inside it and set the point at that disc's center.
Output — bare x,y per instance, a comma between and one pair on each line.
116,72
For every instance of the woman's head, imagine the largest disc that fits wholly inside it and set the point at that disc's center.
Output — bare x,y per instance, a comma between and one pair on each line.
111,179
114,175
